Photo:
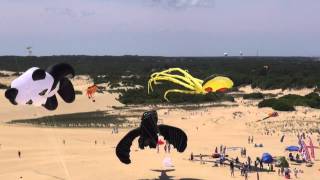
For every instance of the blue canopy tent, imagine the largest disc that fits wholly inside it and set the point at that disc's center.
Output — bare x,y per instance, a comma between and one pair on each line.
292,148
266,158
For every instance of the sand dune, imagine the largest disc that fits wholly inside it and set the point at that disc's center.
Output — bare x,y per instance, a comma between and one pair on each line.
45,157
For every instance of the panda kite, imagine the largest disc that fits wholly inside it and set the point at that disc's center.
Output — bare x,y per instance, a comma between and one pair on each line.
39,87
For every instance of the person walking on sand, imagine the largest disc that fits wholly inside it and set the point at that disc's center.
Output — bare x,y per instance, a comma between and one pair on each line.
249,140
19,154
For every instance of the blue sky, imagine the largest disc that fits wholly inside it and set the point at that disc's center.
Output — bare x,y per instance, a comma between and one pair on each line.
160,27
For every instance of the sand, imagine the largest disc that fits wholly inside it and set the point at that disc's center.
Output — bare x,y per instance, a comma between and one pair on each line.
46,157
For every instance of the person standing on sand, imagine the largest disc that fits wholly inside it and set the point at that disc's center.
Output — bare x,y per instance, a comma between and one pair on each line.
256,164
246,174
191,156
158,148
241,169
19,154
249,162
249,140
232,168
261,164
258,175
165,148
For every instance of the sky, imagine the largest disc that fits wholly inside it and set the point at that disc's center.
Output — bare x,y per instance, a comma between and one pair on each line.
160,27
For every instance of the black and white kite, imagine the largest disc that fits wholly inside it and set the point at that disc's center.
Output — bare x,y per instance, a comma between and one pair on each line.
148,134
39,87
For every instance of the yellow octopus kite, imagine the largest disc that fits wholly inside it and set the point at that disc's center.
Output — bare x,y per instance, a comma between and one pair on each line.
194,85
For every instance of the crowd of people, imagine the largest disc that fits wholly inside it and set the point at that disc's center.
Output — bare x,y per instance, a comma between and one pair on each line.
249,165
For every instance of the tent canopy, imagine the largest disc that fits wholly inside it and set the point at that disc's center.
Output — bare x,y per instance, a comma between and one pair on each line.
266,158
292,148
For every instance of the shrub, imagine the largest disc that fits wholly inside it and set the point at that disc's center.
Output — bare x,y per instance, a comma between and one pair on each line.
287,102
253,96
282,106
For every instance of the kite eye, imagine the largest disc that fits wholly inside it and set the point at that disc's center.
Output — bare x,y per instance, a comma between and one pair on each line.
42,93
208,89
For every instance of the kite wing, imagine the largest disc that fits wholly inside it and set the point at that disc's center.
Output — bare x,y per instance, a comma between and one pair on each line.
123,147
175,136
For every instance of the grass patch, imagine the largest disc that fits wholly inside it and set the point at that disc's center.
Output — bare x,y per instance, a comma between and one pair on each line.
97,119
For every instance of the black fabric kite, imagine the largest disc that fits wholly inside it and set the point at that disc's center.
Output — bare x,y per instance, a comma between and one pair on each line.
148,136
